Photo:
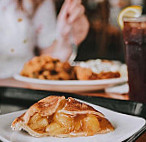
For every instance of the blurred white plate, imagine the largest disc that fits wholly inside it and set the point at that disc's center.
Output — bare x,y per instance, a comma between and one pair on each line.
124,88
125,127
70,85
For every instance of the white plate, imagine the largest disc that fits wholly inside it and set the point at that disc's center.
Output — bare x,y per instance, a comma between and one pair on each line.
70,85
125,126
124,88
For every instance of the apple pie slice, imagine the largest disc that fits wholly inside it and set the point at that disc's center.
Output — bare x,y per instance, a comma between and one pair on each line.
60,117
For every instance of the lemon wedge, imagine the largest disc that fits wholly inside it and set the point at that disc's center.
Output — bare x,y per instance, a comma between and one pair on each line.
129,12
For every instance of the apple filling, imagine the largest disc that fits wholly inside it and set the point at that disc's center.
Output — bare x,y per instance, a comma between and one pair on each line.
61,123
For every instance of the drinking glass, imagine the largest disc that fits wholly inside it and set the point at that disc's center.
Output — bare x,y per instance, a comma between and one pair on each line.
134,34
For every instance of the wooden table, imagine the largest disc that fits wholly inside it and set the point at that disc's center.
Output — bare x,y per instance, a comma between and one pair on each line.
10,82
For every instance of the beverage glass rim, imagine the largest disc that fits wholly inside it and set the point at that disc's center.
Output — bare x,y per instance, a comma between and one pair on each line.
135,19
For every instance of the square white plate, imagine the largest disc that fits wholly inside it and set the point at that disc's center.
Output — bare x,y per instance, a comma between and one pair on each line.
125,126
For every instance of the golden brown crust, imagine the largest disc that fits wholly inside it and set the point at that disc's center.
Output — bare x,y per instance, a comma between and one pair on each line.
105,125
17,120
44,107
73,106
47,108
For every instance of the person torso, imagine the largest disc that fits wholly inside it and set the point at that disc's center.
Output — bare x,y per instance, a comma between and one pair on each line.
17,37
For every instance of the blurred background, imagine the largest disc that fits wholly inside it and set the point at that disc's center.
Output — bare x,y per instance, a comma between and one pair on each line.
104,39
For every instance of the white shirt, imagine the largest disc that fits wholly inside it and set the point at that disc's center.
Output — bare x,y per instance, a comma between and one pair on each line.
19,33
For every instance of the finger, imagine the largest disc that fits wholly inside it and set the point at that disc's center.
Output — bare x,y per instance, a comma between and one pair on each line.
73,4
77,12
64,10
66,30
79,32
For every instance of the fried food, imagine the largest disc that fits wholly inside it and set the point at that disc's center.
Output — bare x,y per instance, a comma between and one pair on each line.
47,68
60,117
88,74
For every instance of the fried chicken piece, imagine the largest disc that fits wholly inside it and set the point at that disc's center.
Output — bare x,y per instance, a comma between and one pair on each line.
85,73
88,74
106,75
45,67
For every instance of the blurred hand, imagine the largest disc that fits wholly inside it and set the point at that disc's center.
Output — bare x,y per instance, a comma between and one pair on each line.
72,22
72,26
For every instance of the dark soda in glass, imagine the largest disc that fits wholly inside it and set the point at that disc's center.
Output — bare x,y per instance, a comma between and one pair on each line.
135,41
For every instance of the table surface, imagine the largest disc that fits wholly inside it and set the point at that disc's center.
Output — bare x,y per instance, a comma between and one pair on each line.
10,82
